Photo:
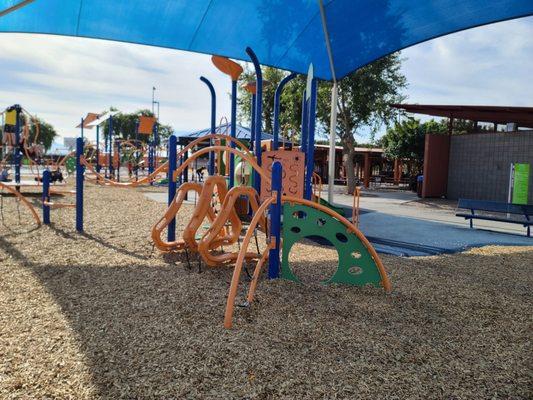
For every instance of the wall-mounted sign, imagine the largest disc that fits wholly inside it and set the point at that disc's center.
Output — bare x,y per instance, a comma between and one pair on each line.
520,183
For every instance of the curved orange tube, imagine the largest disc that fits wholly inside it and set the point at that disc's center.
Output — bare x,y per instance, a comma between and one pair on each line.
170,213
230,303
244,155
204,208
23,199
210,241
228,318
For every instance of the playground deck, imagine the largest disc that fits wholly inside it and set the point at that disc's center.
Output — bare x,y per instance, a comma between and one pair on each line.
101,315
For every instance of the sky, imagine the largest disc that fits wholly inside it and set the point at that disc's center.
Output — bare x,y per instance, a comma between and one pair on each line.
60,79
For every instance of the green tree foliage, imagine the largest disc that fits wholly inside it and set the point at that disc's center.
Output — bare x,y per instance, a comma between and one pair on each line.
124,126
363,101
290,105
47,132
405,141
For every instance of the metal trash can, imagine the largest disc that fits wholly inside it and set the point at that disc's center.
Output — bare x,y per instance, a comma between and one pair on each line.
419,184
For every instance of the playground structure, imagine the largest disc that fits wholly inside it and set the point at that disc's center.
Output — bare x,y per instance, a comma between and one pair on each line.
283,199
274,190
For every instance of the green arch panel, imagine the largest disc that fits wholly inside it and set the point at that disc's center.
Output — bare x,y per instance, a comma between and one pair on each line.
356,264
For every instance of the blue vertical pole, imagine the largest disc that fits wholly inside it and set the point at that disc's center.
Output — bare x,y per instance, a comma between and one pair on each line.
110,154
172,163
310,156
233,132
252,123
211,165
258,115
18,155
118,162
97,148
275,221
79,185
156,143
277,97
81,127
106,150
303,136
46,197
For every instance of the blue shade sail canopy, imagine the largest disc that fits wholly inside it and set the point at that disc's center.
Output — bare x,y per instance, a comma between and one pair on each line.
287,34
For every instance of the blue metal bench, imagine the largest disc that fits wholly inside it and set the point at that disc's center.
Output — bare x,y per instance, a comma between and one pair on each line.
525,211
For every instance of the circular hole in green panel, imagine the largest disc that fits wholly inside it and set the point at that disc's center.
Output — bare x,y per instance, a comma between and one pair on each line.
321,222
299,214
356,254
295,229
355,270
341,237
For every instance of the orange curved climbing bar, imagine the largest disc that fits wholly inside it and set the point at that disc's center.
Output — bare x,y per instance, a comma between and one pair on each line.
23,199
170,213
230,304
246,156
211,239
228,318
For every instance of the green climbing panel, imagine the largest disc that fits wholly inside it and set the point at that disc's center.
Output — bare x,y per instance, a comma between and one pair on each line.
356,265
70,165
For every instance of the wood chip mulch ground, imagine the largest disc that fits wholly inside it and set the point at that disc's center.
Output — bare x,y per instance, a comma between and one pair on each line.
101,315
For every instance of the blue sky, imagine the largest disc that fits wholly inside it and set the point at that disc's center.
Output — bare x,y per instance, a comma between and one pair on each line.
61,79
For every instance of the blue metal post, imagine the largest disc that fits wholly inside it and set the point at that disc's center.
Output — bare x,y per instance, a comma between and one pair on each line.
233,132
172,161
18,155
310,156
110,154
211,165
97,148
79,185
252,124
156,143
46,197
118,163
137,150
275,221
277,97
303,136
258,115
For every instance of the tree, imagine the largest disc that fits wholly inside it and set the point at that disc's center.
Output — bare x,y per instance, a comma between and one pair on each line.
363,101
405,141
47,132
124,126
291,99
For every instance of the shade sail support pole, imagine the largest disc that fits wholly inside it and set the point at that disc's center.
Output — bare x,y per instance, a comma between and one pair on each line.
334,94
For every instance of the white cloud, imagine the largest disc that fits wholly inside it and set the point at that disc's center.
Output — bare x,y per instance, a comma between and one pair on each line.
489,65
63,78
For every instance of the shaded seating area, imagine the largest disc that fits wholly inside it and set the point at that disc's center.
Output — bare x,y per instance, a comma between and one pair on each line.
496,211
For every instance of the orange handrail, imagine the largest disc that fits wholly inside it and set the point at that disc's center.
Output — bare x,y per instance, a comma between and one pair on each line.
355,206
23,199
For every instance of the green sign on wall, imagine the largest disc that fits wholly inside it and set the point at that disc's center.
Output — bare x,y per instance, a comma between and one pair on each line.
521,183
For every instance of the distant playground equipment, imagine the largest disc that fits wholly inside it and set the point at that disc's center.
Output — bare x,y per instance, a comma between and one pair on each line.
282,200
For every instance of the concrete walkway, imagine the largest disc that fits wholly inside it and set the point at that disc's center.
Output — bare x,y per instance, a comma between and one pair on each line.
396,222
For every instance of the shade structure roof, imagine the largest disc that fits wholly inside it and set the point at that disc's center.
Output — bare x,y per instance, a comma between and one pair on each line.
522,116
287,34
241,133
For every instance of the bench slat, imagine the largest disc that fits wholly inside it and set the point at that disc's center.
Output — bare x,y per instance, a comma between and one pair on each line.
495,206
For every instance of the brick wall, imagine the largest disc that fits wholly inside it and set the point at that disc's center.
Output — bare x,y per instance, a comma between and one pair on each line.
479,164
